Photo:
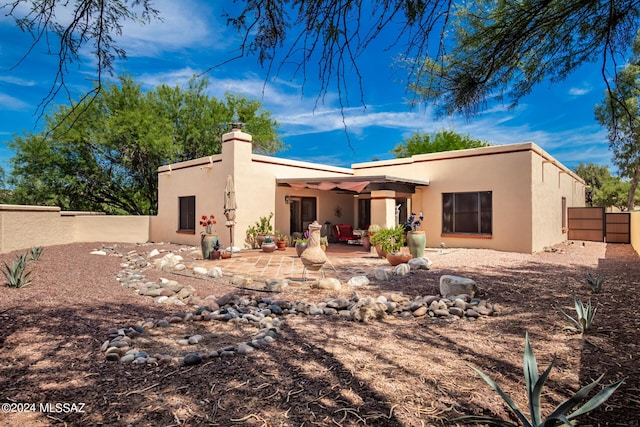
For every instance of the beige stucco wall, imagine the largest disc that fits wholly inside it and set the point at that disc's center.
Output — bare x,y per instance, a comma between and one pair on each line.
635,230
22,227
256,191
521,202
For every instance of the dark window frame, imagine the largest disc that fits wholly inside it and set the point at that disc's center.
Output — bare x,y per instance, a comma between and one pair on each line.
187,214
467,213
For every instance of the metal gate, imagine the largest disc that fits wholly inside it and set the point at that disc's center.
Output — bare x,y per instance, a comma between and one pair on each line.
593,224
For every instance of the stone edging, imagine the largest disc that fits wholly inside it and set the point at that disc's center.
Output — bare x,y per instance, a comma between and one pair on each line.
264,313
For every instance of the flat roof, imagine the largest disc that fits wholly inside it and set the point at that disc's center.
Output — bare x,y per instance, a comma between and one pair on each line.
367,183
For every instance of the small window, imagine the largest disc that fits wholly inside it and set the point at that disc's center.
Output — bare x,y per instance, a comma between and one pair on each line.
467,213
187,216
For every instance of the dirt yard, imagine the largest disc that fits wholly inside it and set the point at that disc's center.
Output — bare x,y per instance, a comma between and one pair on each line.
321,370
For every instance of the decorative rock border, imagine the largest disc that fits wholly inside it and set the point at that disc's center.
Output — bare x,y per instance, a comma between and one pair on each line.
267,314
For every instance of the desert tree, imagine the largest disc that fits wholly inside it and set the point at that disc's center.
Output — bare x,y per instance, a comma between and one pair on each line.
442,140
458,54
619,112
104,156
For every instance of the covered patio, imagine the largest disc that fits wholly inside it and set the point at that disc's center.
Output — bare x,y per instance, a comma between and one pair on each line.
362,200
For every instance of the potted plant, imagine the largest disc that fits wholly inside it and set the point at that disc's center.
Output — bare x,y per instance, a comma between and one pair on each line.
268,245
366,241
416,239
207,237
215,253
390,242
324,242
301,243
282,240
263,228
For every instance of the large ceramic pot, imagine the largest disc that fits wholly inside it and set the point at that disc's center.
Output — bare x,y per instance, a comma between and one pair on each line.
313,258
416,240
381,252
399,258
260,239
300,247
206,244
269,247
366,243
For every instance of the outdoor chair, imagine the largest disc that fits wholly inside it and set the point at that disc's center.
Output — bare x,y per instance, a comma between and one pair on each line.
344,233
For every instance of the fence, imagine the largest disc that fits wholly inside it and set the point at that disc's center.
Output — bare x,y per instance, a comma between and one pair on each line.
22,227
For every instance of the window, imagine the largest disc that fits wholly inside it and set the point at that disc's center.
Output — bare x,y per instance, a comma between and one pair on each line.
564,215
187,215
467,213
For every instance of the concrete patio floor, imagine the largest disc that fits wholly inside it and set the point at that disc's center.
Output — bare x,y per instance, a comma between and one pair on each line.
344,262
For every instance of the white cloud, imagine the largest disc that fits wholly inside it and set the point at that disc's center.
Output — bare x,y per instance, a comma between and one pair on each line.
18,81
584,89
11,103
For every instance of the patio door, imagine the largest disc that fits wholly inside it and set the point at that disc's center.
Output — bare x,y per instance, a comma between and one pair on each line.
302,213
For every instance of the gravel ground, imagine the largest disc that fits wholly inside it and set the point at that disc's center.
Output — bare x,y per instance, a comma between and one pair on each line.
322,370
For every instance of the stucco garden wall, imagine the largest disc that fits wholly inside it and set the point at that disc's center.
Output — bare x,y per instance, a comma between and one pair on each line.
22,227
635,231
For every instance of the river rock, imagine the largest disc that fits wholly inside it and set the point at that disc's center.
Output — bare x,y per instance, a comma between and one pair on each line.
358,281
456,285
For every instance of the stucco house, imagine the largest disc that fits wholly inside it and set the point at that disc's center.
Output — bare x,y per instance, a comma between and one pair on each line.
510,197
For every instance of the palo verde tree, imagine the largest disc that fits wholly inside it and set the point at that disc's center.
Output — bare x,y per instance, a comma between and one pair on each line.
619,112
603,189
459,54
103,155
443,140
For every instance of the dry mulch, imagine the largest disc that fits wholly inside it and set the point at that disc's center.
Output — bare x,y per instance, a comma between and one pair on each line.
324,371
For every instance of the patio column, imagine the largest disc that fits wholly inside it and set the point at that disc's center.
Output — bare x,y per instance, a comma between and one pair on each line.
383,208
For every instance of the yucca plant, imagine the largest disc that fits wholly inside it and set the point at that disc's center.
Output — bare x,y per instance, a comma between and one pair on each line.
534,384
595,283
35,252
15,273
585,314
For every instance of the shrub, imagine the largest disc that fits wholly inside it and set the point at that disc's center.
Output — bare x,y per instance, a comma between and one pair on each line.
391,240
585,314
534,384
35,252
16,274
595,283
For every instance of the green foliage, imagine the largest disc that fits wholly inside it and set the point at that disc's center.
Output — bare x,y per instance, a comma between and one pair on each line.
443,140
619,112
103,155
534,384
585,313
16,274
500,50
391,240
263,226
595,283
35,252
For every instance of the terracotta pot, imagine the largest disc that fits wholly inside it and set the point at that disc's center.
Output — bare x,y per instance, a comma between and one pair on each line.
215,254
366,243
225,255
381,252
397,259
281,244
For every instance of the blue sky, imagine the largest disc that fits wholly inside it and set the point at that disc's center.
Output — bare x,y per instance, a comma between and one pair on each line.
193,36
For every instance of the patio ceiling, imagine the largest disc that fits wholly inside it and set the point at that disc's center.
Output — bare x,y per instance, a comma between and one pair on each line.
355,184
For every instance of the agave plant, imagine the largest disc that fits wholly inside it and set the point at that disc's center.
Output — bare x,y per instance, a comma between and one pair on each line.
534,384
35,252
595,283
15,273
585,314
